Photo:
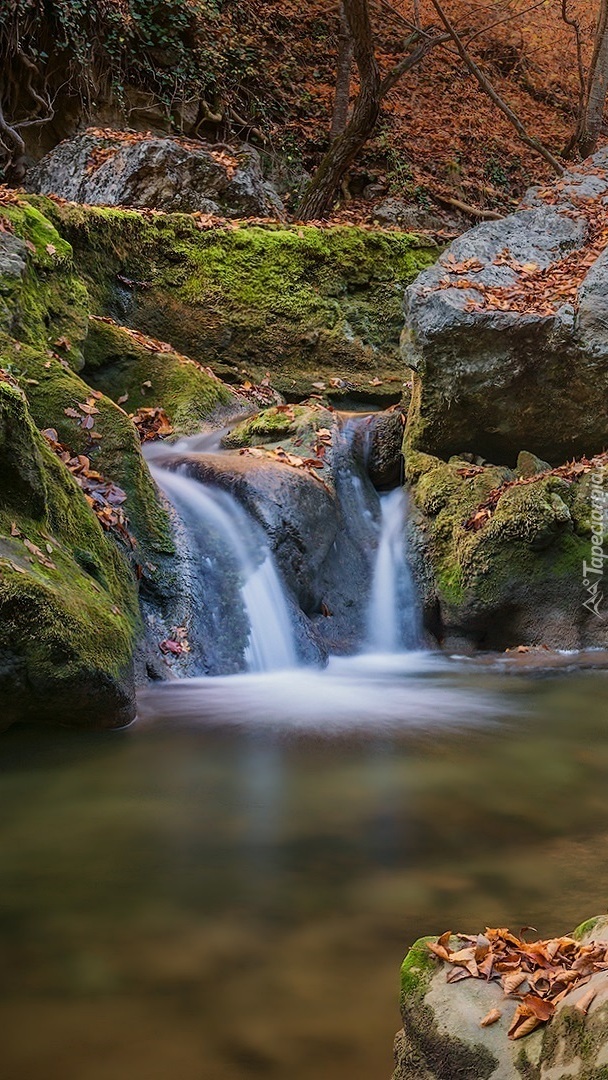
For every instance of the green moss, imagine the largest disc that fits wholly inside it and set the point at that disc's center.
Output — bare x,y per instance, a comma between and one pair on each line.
587,927
119,364
527,555
66,634
417,969
277,424
303,300
116,455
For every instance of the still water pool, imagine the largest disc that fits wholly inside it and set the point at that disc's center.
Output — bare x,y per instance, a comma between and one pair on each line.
225,890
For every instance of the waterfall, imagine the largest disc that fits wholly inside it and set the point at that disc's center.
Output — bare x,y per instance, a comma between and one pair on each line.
214,515
392,618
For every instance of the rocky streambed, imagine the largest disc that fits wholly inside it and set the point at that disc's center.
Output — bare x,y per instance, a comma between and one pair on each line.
122,324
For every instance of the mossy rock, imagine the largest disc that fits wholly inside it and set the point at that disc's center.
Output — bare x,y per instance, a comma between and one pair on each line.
307,304
295,427
122,365
442,1037
516,579
68,600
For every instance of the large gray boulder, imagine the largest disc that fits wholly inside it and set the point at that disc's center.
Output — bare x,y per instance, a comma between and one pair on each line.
443,1038
114,168
507,335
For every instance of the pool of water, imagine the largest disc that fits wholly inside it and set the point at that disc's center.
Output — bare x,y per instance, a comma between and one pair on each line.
226,889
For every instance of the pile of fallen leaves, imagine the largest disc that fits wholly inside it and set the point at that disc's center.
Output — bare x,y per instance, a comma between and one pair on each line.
152,424
279,453
103,496
177,644
9,197
536,290
85,411
537,974
570,472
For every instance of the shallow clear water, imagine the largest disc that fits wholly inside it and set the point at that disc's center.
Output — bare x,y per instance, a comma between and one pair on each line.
226,889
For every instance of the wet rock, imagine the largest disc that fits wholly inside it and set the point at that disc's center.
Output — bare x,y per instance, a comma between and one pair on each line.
179,175
323,557
442,1035
490,381
385,440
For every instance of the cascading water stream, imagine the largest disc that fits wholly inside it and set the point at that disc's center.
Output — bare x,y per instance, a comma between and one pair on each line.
271,644
392,617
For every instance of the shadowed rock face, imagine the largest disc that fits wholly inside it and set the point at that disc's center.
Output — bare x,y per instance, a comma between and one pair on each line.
535,374
177,175
442,1038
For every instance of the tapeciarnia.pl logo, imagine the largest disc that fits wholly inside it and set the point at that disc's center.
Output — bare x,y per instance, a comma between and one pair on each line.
593,571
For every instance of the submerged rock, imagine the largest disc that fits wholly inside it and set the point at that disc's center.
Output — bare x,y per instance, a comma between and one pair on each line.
114,168
442,1037
507,334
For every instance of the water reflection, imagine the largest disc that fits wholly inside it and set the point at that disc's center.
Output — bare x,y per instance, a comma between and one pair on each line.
228,900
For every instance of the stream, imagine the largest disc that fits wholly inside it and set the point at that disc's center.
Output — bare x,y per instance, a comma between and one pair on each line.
226,889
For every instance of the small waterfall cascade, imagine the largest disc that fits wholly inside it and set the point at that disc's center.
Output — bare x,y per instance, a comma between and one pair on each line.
392,616
224,532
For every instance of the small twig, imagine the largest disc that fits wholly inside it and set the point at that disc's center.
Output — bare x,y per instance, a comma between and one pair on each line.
467,208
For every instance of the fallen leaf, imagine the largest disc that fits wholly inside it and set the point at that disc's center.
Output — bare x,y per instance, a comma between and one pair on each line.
584,1002
490,1018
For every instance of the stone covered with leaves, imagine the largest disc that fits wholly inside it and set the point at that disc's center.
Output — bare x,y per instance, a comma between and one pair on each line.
520,1011
119,168
507,335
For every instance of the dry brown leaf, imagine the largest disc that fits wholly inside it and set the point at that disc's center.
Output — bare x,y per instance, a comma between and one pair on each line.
490,1018
584,1002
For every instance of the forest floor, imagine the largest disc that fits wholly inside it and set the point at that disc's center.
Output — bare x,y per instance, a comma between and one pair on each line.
439,136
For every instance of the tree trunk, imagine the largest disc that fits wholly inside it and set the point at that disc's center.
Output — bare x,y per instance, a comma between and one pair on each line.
324,185
343,73
591,122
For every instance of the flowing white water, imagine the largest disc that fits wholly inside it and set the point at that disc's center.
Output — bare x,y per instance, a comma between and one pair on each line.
271,644
392,618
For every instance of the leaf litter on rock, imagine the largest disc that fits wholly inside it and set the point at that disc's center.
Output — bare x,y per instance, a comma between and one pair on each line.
103,496
538,974
570,472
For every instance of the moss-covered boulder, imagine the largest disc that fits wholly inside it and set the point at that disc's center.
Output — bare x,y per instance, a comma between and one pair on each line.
68,601
141,372
295,427
442,1036
41,346
500,560
318,308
